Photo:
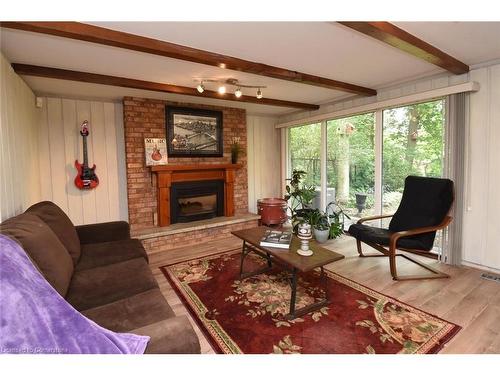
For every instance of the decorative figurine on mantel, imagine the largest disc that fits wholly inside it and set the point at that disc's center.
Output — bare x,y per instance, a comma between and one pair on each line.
305,234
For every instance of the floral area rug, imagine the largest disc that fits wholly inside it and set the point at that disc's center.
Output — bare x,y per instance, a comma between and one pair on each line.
248,316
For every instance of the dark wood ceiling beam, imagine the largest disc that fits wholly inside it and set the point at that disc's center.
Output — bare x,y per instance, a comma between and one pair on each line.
404,41
71,75
100,35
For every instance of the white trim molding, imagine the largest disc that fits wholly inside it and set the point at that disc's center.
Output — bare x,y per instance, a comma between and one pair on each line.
480,267
400,101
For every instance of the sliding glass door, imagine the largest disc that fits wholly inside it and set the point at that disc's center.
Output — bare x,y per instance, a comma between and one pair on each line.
350,164
362,161
304,145
413,144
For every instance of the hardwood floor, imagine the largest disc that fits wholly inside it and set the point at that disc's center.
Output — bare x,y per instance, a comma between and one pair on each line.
464,299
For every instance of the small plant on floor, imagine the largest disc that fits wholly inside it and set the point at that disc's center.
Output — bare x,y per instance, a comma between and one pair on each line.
336,218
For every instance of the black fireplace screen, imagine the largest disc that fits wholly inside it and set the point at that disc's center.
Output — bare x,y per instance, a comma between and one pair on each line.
196,200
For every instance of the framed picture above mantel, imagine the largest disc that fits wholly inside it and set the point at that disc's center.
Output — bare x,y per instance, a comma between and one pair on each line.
193,132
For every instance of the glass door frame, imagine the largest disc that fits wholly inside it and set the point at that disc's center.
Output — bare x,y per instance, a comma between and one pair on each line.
378,150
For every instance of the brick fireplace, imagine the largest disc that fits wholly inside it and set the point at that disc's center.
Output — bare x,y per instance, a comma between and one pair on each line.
145,118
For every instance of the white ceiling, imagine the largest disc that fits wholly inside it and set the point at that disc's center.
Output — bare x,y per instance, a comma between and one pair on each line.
469,42
325,49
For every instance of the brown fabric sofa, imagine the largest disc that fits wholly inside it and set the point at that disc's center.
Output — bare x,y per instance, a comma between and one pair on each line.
102,273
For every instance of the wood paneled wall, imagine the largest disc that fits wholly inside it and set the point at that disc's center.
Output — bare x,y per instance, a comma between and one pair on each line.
264,175
481,227
60,144
19,178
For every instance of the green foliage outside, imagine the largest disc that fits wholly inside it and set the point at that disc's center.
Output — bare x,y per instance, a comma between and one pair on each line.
352,141
412,145
305,142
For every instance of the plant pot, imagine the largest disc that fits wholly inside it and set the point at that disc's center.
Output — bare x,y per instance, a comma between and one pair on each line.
234,157
360,202
321,236
304,212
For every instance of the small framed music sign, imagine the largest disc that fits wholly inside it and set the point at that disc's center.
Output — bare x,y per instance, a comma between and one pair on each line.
156,151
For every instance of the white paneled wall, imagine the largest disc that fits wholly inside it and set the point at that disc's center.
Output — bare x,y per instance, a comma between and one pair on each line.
60,144
264,179
481,224
19,178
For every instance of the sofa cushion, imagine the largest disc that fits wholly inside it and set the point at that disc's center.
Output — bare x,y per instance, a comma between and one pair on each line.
131,313
103,232
174,335
60,224
101,285
104,253
43,247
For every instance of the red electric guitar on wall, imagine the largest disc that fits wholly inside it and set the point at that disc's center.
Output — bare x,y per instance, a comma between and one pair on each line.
86,178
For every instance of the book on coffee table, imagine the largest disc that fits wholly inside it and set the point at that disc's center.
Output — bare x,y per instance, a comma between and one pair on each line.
276,238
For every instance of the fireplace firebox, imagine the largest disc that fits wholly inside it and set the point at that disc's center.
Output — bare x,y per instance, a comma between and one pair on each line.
168,175
196,200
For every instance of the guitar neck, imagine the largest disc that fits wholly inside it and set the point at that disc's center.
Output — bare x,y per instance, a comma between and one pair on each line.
85,156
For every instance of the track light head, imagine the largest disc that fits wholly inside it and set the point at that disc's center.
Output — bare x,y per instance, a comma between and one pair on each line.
224,83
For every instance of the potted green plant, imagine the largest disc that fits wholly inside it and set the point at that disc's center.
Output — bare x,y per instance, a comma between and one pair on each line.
299,197
321,225
236,150
336,218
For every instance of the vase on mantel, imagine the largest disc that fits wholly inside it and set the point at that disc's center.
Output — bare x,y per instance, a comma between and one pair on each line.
234,157
236,149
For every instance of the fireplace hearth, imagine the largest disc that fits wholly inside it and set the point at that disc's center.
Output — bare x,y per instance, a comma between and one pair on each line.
197,200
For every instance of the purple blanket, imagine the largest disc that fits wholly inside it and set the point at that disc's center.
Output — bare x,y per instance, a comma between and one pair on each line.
34,318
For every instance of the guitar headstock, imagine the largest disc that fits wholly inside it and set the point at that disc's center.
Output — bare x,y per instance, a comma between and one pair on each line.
84,130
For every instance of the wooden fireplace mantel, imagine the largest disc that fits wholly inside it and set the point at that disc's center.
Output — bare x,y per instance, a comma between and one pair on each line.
168,174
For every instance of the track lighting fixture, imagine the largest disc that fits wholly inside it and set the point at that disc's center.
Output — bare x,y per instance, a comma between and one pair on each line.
221,89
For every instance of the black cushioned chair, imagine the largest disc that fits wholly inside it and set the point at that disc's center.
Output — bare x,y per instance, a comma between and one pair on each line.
424,209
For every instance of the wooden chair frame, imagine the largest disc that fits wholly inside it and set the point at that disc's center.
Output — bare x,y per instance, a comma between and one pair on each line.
391,251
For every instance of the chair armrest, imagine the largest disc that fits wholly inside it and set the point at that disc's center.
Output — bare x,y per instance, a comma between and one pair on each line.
103,232
370,218
411,232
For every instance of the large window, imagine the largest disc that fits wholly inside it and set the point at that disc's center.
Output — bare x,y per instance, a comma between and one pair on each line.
361,161
304,146
413,144
350,167
304,154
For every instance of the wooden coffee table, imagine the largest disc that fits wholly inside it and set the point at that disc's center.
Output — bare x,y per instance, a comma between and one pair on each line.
290,260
